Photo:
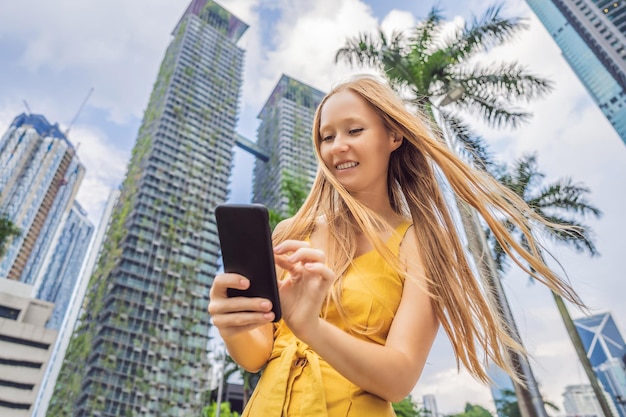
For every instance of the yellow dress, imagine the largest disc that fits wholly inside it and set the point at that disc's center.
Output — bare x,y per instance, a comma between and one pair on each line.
298,383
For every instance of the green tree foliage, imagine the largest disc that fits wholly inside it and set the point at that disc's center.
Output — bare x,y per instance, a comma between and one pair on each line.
296,190
407,408
8,230
211,410
472,410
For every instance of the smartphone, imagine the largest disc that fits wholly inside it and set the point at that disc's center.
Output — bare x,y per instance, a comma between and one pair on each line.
246,244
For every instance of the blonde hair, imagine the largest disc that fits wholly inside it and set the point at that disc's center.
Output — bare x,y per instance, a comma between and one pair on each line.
475,329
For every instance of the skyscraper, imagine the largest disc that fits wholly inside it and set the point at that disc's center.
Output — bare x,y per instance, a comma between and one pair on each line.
285,136
141,346
605,349
592,37
430,405
580,400
65,265
73,310
39,176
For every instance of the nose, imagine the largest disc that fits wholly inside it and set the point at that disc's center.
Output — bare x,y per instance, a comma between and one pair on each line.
340,144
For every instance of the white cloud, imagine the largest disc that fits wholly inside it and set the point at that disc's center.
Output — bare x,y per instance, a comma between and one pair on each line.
105,169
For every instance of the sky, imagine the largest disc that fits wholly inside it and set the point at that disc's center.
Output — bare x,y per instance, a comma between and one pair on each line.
53,53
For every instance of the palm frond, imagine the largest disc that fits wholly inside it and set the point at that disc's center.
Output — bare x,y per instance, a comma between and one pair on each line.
494,110
578,236
427,32
509,81
485,33
565,195
363,50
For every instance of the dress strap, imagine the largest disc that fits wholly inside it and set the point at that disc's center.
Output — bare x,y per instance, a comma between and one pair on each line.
396,238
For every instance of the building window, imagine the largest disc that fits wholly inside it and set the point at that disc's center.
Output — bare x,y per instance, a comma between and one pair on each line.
9,313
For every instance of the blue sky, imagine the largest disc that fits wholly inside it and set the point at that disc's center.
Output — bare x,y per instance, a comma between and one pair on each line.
52,53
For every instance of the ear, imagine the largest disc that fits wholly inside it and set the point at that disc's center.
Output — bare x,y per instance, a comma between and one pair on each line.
397,139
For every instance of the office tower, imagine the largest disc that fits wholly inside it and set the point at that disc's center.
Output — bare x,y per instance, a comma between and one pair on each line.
63,270
285,136
74,308
25,347
430,406
605,349
141,346
580,400
592,37
39,176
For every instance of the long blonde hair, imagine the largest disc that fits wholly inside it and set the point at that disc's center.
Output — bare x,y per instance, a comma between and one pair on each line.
475,329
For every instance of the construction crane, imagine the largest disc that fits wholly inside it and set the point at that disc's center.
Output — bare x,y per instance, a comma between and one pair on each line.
78,112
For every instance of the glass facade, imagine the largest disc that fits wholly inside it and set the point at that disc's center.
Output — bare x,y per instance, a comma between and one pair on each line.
141,346
606,351
39,176
64,268
285,136
592,37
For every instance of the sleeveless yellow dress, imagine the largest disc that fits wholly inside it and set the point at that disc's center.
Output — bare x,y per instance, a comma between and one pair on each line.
298,383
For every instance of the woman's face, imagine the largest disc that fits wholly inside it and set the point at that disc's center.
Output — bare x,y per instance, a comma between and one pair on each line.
355,145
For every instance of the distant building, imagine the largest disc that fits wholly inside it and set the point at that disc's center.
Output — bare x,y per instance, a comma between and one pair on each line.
605,349
592,37
285,136
430,406
74,308
39,176
25,347
145,322
581,401
64,268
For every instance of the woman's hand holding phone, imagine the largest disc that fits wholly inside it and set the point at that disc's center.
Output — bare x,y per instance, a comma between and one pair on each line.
233,315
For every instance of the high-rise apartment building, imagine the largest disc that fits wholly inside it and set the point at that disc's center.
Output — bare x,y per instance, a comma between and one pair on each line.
605,349
63,270
430,405
581,401
25,347
285,136
141,346
592,37
39,177
74,308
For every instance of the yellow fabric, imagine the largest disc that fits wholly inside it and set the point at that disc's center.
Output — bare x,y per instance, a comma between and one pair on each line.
298,383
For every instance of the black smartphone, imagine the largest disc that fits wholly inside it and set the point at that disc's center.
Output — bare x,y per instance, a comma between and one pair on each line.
246,244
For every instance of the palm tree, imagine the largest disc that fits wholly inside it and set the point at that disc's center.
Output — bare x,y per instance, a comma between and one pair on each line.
561,202
8,230
433,66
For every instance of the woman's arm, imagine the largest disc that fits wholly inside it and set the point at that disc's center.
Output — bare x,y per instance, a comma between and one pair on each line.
390,371
244,323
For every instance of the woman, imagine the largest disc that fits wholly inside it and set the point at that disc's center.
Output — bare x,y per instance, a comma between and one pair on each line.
370,266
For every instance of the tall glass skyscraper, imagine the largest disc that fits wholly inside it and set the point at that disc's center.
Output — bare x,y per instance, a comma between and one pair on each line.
63,270
141,346
592,37
285,136
606,349
39,176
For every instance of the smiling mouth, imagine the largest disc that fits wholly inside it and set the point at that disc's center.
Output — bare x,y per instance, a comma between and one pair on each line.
346,165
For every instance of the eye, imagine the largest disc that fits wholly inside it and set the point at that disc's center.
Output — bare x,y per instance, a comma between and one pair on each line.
355,131
326,138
